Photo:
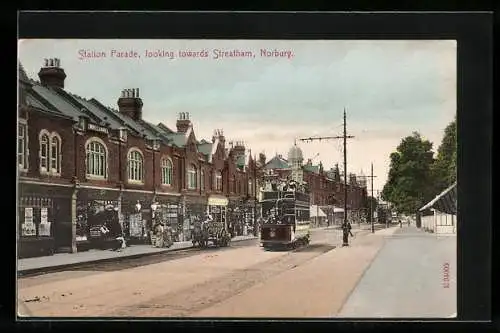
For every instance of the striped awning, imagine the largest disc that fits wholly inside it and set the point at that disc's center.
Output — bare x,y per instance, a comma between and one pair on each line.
445,202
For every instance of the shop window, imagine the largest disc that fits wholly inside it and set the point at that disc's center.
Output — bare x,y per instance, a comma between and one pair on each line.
191,177
166,171
135,166
35,216
96,158
22,146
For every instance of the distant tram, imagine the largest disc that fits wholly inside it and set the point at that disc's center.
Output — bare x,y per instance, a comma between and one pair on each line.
286,221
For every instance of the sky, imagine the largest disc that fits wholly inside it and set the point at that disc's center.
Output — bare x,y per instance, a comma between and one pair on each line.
388,88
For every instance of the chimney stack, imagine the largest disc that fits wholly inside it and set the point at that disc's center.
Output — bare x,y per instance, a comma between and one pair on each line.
51,74
130,103
239,148
219,134
183,122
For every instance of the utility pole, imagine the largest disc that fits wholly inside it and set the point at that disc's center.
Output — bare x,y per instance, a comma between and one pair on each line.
344,137
372,198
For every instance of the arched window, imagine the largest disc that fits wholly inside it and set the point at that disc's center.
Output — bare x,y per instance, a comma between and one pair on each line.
44,152
96,159
135,166
55,155
166,171
191,177
22,145
250,187
50,152
234,184
202,180
218,181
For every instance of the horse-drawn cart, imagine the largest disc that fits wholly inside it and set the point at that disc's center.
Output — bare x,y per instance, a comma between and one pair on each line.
211,232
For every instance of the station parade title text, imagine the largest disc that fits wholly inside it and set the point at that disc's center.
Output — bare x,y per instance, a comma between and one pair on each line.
216,54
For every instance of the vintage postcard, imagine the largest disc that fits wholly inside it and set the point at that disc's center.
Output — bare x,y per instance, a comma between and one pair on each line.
237,178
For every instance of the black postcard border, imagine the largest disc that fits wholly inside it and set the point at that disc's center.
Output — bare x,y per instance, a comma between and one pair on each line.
473,32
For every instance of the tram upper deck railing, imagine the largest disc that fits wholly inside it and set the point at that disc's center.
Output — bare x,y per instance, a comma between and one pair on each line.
292,195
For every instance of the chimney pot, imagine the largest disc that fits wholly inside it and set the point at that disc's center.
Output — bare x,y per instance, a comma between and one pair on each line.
46,62
133,93
137,92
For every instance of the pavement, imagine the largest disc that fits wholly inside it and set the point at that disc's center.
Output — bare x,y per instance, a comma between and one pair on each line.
407,278
62,260
394,272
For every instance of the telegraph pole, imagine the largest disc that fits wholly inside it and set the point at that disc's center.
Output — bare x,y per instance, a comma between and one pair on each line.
344,137
372,198
371,202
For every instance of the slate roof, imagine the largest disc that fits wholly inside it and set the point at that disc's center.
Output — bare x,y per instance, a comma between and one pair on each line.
241,161
311,168
59,102
277,162
205,148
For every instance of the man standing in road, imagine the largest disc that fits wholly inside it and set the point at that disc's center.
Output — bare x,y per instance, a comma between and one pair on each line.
346,228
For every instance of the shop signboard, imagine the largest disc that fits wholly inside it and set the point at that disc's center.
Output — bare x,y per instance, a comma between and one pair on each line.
135,225
44,227
28,227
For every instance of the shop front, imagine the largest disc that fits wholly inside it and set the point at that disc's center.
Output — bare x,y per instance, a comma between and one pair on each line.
44,217
166,210
136,215
217,208
97,211
240,216
193,210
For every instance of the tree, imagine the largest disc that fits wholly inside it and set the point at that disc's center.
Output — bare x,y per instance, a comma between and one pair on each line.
374,204
444,168
410,181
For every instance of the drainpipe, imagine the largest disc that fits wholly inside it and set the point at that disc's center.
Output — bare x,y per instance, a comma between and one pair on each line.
120,181
74,193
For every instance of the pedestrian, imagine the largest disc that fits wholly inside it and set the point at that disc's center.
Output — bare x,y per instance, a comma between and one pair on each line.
346,229
400,224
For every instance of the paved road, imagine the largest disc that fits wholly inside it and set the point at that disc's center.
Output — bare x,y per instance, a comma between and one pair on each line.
177,284
406,278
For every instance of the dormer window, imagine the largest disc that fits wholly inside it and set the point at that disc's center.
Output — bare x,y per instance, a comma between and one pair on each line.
122,134
82,122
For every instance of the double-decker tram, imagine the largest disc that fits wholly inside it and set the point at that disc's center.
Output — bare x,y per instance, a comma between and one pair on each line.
285,214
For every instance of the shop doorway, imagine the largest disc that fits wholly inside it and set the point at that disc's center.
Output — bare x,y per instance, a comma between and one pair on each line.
61,215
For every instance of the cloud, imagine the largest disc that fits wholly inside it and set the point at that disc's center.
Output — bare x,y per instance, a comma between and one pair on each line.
389,88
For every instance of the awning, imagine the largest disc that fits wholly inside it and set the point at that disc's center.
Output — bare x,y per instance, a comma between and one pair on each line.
445,202
338,210
217,201
315,211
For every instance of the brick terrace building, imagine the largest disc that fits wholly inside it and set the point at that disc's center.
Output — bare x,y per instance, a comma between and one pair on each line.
78,157
325,187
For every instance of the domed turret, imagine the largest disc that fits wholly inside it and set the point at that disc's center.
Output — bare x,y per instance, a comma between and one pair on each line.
295,158
295,155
